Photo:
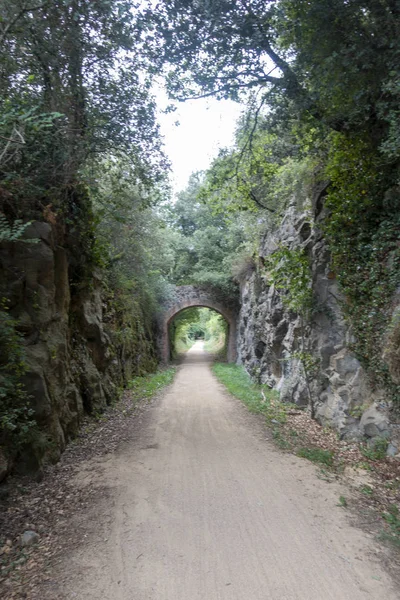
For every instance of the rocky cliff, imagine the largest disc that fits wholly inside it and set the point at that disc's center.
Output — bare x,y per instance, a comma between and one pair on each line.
271,337
80,350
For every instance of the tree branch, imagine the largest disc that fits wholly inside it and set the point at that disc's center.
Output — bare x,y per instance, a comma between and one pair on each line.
21,13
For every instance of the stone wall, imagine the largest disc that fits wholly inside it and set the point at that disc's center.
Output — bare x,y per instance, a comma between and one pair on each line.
76,359
269,335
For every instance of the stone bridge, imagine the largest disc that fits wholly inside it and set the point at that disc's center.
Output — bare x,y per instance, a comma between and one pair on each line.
186,296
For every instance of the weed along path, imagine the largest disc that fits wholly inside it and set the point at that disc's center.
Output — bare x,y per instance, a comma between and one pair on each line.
201,506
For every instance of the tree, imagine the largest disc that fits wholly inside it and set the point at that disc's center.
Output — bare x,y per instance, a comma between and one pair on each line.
206,243
72,87
335,60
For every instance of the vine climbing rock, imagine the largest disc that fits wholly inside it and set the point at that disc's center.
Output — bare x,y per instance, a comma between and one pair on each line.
187,296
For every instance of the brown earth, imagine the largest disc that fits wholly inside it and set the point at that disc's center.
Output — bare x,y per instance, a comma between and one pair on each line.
199,505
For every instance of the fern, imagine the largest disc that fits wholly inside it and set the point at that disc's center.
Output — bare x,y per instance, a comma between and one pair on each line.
11,232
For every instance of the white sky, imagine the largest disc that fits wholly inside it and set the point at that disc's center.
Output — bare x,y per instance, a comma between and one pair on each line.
204,126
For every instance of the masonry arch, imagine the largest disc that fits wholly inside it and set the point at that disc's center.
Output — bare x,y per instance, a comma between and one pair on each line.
190,297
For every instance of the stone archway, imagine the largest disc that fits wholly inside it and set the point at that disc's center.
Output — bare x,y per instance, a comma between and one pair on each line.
187,296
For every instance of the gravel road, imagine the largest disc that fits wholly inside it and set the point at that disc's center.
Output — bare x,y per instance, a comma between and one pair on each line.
201,506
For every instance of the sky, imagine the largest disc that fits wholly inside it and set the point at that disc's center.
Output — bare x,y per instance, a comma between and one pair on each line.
205,126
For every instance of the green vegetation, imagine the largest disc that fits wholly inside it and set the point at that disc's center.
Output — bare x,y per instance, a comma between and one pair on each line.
198,324
377,451
289,271
260,399
342,502
392,518
147,386
184,330
363,237
317,455
321,83
257,398
280,440
80,150
206,245
17,423
216,335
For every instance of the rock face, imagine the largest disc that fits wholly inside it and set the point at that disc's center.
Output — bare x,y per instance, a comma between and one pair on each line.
391,353
76,357
4,465
270,336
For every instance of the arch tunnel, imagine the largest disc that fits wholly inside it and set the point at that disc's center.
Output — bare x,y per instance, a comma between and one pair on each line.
190,297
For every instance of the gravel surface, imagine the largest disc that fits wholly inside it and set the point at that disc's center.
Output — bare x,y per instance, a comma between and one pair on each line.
186,498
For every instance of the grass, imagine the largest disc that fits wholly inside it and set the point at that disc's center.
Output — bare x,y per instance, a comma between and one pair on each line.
217,346
260,399
377,451
148,385
181,346
238,383
280,440
317,455
392,519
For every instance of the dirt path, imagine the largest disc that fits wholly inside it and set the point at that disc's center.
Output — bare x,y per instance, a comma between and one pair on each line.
202,507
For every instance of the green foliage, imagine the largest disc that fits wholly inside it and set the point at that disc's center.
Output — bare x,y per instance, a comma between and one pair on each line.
280,440
322,82
72,87
205,244
317,455
377,451
238,382
362,231
184,330
12,232
289,271
292,182
192,324
17,424
392,518
342,502
133,241
258,399
149,385
334,61
80,149
216,333
239,179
